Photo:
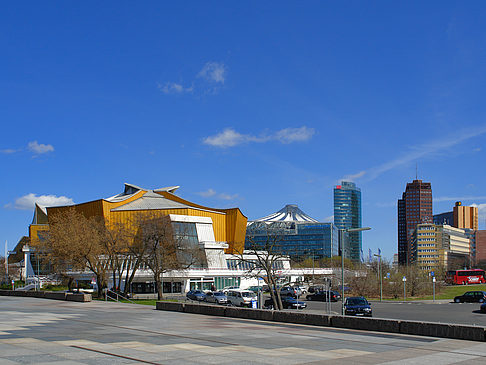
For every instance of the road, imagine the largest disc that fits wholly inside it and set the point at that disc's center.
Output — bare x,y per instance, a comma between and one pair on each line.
53,332
443,311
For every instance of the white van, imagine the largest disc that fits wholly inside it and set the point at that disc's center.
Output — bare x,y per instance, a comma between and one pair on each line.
241,298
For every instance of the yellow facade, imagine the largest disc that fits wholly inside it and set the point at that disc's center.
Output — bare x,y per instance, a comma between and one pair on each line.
229,224
465,217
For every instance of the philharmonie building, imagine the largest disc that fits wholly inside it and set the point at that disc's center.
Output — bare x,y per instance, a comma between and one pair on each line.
219,232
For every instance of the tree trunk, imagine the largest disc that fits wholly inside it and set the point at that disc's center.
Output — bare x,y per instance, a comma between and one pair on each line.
158,284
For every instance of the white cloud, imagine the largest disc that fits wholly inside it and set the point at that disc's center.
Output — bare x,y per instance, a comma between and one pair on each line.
329,219
27,202
39,148
212,193
289,135
425,150
457,198
352,177
208,193
230,138
481,212
225,196
175,88
8,151
214,72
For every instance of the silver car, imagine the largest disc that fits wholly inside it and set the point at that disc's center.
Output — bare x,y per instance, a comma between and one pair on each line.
216,297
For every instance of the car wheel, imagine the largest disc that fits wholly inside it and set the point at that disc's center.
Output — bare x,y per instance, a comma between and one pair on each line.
457,300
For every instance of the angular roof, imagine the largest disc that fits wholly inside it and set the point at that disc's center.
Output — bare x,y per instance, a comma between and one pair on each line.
152,200
131,189
289,213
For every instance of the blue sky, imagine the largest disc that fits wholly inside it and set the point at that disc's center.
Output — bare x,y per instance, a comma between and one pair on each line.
245,105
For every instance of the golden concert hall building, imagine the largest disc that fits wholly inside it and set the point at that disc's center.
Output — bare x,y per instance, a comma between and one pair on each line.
221,232
229,225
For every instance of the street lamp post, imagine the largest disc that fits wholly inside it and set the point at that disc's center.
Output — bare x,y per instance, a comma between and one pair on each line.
341,236
381,278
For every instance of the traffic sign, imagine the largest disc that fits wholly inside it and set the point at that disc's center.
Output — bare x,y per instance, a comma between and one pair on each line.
432,273
404,278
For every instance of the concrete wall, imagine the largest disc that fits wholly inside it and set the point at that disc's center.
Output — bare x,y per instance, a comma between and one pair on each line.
463,332
73,297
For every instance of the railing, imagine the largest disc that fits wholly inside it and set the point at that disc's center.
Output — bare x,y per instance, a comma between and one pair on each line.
117,298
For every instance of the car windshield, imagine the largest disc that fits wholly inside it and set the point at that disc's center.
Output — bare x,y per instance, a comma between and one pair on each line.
197,292
248,294
357,301
218,294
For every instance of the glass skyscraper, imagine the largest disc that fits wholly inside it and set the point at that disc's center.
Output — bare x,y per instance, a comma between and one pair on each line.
294,234
347,214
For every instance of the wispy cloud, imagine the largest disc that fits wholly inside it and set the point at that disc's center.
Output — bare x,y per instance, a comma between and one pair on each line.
39,148
481,212
213,72
35,147
175,88
27,202
212,193
458,198
423,150
230,138
207,81
329,219
9,151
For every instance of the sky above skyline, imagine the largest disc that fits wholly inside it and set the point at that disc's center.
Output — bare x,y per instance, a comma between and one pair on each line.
245,105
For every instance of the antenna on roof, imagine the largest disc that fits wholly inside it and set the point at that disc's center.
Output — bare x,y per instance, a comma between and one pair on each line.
416,171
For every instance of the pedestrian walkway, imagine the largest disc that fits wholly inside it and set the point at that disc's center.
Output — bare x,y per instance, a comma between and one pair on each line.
66,333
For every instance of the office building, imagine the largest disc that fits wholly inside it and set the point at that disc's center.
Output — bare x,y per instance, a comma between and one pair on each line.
465,217
415,207
292,232
440,247
347,214
444,218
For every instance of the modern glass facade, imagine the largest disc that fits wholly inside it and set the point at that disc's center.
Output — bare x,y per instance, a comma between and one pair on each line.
296,239
347,214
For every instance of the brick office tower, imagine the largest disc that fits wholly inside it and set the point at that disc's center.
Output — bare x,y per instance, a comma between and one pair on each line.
414,208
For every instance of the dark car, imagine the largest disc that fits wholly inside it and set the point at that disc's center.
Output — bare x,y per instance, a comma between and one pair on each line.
471,297
196,295
483,308
287,302
216,297
357,306
324,296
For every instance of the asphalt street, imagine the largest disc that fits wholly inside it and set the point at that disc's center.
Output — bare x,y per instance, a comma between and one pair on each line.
50,332
443,311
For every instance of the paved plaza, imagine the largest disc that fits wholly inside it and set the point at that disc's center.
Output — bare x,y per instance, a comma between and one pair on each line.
40,331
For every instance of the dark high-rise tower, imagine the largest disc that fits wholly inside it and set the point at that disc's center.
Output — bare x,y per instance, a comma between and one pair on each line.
414,208
347,214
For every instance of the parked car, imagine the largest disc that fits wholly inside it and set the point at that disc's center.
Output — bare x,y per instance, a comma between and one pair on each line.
357,306
287,303
289,291
216,297
196,295
226,289
471,297
241,298
324,296
254,288
483,308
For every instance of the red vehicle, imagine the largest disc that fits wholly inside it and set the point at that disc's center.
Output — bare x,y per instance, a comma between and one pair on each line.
464,277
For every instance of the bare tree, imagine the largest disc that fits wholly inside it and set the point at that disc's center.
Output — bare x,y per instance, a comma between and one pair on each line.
74,243
163,250
263,256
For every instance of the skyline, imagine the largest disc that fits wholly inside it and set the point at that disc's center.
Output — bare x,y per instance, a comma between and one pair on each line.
243,105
